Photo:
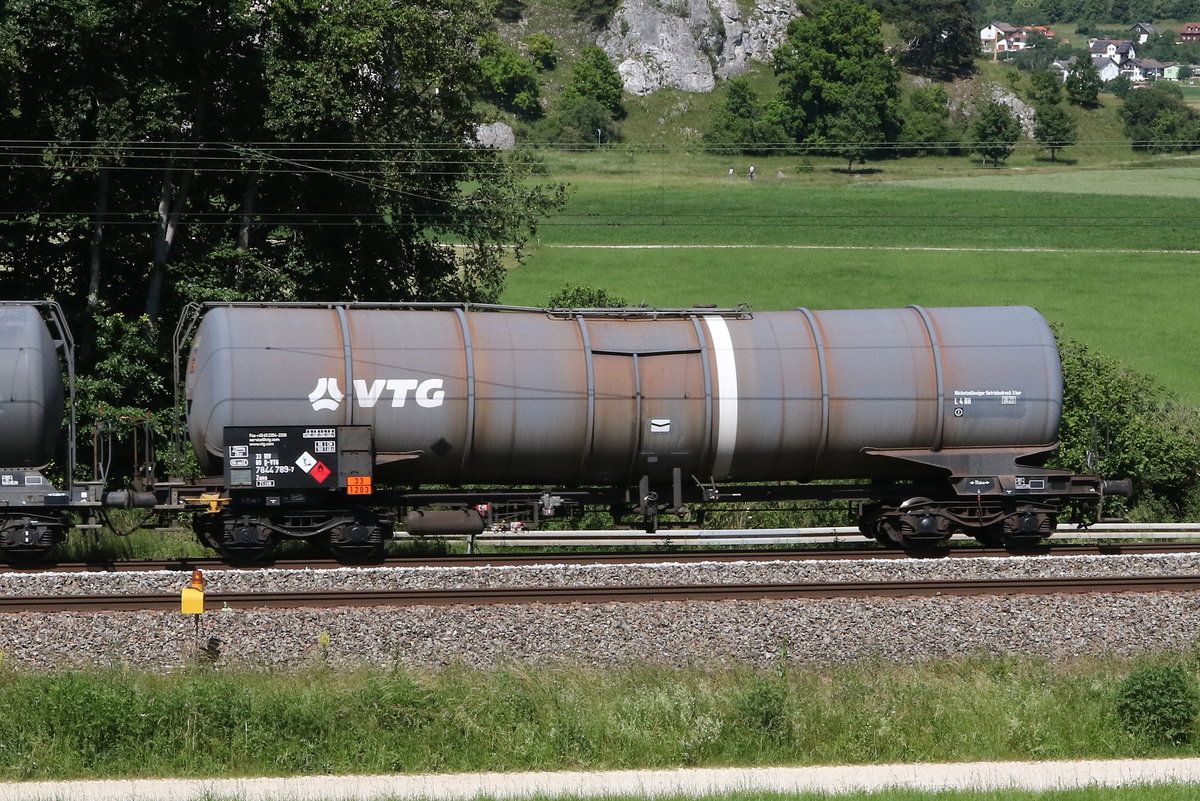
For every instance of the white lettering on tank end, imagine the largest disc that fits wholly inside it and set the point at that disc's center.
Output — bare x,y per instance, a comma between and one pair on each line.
727,394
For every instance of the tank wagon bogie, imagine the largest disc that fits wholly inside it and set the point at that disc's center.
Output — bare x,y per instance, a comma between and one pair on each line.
946,413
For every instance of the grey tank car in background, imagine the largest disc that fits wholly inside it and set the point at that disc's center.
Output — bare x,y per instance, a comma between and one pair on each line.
36,383
315,418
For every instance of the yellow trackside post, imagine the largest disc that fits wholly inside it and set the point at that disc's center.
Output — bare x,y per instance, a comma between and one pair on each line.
192,596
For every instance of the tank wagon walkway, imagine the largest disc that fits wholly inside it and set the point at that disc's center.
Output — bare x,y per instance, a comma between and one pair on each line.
636,783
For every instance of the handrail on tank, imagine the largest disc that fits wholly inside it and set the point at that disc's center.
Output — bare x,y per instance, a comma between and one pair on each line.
52,313
742,309
185,328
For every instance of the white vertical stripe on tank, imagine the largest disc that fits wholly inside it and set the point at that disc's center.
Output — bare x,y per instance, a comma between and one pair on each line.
727,394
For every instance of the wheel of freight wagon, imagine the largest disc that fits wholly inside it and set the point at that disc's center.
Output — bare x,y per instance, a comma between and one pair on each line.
246,541
356,542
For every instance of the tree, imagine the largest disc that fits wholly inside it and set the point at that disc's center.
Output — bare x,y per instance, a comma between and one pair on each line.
940,36
823,55
1045,88
1054,129
925,122
508,80
293,150
578,120
740,123
593,76
1037,54
994,132
542,51
1083,83
594,12
1118,422
1158,120
1120,86
853,127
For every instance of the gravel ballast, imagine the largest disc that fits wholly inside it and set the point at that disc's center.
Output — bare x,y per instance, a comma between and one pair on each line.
668,633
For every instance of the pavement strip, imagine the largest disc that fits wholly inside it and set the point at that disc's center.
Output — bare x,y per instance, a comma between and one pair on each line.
637,783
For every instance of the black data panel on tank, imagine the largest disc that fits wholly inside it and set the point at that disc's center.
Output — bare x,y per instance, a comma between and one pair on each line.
296,457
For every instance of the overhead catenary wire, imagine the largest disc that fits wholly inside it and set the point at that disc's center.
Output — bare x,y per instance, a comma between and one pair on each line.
355,162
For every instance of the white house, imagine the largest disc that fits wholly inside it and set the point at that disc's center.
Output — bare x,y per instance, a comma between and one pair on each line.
1143,31
1118,51
1108,68
1064,67
1143,69
993,32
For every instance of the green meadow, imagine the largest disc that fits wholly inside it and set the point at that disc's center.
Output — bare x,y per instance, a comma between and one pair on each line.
1109,252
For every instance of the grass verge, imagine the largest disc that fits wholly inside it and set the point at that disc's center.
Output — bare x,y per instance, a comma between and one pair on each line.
204,723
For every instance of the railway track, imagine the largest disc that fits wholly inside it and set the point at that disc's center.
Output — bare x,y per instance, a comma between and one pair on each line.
610,594
615,557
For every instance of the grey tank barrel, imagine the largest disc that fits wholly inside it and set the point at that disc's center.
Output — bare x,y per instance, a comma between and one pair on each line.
456,396
31,388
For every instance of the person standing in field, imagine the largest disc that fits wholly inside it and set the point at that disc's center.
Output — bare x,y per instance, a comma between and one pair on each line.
750,174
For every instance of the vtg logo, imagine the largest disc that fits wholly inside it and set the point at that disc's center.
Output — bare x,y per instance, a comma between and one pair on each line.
326,396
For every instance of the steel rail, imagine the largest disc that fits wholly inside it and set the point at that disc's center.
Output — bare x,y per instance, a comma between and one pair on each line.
613,558
792,536
1056,585
180,565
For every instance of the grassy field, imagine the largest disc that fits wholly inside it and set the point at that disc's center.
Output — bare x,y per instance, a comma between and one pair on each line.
199,721
1106,247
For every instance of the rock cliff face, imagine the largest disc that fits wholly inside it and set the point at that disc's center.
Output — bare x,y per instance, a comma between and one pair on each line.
688,44
1023,112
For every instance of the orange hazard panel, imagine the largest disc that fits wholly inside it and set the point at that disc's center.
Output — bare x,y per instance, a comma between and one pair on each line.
358,485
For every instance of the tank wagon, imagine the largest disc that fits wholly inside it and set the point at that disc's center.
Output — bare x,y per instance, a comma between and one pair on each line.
37,384
330,420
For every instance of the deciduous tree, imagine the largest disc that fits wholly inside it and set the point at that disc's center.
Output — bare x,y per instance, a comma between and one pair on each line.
1046,88
292,150
1054,129
1083,83
994,131
939,37
1158,120
594,76
825,54
741,123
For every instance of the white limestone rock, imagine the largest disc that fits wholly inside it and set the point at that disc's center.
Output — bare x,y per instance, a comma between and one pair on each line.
688,44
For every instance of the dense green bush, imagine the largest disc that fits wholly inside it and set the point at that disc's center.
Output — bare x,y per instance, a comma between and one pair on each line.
584,296
1158,120
740,123
1159,703
508,80
1120,423
593,77
542,51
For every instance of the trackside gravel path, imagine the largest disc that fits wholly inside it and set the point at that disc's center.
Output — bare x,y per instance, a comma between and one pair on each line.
687,782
